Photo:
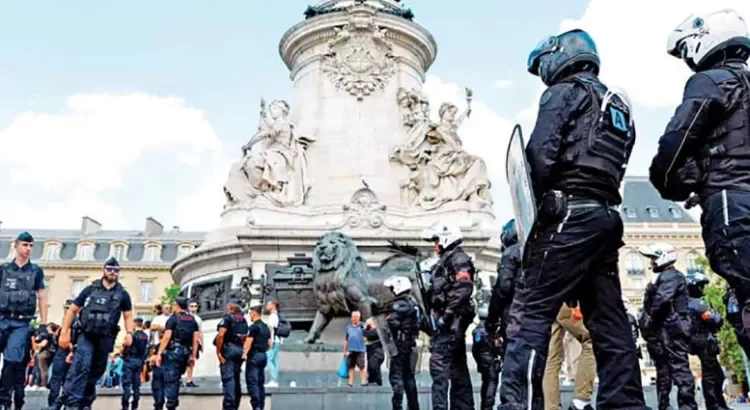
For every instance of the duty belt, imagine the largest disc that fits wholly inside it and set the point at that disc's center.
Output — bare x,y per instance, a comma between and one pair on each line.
10,315
589,203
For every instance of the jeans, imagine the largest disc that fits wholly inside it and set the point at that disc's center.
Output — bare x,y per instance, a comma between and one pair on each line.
273,362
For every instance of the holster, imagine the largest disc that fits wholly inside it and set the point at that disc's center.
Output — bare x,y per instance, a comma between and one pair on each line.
552,208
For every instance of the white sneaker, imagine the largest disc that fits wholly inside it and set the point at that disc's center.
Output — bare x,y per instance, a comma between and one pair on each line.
272,384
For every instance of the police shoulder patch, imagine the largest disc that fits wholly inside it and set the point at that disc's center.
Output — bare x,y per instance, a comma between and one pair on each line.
546,97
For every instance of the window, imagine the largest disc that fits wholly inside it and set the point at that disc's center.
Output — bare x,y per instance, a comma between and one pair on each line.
634,264
118,252
152,253
653,212
692,263
86,252
12,253
184,250
630,212
51,251
78,285
147,291
675,212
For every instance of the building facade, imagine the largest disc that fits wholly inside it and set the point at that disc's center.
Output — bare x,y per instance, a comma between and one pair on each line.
72,259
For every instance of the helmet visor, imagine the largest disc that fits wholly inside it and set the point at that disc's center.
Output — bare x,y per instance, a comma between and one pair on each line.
546,46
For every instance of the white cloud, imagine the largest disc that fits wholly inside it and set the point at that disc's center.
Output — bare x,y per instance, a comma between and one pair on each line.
88,147
485,134
631,38
200,209
502,84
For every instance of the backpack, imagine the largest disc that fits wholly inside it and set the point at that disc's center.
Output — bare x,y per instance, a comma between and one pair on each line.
284,328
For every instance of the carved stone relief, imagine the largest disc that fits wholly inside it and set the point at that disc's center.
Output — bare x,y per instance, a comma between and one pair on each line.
274,162
359,59
292,286
364,208
212,296
440,170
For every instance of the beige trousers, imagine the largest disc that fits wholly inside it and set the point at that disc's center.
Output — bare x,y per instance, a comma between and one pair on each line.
586,370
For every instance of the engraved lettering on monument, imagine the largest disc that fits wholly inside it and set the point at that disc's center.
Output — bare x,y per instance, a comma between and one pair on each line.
364,208
359,59
440,170
212,296
274,162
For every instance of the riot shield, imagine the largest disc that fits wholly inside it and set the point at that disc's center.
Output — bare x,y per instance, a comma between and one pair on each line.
386,337
519,181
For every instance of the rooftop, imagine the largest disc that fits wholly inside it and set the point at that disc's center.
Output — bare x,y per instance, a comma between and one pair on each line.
641,203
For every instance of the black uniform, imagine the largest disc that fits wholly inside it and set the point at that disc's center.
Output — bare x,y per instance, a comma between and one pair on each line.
703,343
705,150
577,154
404,324
133,358
668,321
451,302
375,356
635,330
505,289
236,332
255,377
486,350
177,356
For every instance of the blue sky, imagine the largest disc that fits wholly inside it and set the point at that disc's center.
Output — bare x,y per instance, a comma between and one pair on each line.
217,59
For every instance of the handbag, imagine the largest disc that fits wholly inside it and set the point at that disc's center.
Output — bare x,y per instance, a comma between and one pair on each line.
343,371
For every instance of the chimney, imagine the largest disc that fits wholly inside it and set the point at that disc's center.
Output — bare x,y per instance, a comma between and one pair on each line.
153,227
90,226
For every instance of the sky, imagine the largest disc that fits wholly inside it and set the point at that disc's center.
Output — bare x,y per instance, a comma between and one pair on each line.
125,110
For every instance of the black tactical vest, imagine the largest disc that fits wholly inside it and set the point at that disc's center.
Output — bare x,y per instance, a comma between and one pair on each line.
409,317
183,332
101,312
139,348
238,327
17,294
725,157
602,138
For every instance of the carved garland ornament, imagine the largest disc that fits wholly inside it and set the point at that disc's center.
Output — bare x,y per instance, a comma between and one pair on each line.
359,60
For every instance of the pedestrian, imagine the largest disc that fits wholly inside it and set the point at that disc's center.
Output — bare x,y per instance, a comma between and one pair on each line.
355,350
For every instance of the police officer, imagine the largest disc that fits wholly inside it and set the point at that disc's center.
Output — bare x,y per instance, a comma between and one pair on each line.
404,324
634,329
451,287
667,312
486,350
577,155
704,149
655,347
178,348
232,332
21,291
375,354
506,286
98,307
258,342
61,364
133,357
703,342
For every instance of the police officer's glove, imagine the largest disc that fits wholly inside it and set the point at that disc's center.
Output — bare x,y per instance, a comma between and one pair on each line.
440,323
646,321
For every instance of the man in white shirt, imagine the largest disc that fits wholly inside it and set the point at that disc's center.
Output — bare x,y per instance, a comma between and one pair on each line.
193,308
273,354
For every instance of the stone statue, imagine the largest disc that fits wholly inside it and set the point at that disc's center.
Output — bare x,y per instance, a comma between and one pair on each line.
344,283
278,170
441,171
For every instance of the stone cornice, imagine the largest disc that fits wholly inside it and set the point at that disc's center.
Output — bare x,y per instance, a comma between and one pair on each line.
79,265
310,33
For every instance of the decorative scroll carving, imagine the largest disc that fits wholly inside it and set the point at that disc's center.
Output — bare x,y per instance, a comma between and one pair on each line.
359,59
364,208
278,169
441,171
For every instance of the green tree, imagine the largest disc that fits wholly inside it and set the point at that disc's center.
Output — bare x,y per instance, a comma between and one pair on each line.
731,355
170,293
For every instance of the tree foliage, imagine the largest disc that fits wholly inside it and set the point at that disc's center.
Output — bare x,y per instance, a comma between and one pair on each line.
170,293
731,354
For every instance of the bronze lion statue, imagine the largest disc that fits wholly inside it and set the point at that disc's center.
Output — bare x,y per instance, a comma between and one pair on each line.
344,283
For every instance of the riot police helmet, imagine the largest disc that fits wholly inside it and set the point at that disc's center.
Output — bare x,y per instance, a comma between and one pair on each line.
556,57
702,41
696,282
444,235
398,285
662,255
509,235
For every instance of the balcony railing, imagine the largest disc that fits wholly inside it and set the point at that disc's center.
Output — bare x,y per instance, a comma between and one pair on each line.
636,272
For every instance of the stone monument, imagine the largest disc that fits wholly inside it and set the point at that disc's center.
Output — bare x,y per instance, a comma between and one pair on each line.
354,151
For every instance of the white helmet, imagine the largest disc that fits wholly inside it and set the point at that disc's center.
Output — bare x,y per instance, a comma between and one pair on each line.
445,235
698,38
398,284
661,254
